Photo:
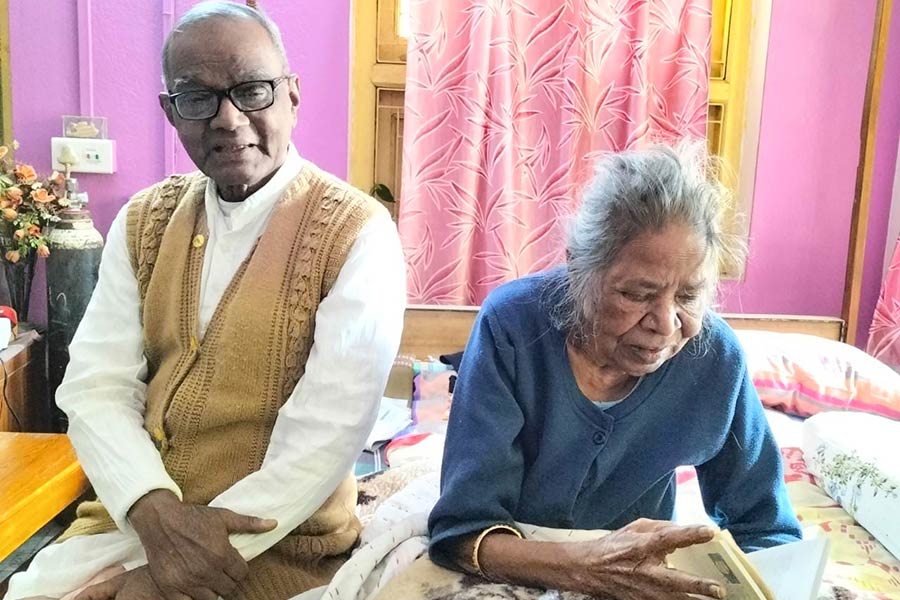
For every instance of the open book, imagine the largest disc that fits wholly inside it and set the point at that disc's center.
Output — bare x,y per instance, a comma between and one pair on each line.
787,572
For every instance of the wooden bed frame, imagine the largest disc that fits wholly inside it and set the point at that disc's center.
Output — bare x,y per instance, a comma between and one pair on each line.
435,330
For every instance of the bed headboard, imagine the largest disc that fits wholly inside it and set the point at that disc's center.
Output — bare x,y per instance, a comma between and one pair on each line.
434,330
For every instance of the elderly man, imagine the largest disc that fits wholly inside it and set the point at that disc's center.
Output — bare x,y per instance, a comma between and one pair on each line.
229,367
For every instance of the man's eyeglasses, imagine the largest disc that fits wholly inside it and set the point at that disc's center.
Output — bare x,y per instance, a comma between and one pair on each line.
249,96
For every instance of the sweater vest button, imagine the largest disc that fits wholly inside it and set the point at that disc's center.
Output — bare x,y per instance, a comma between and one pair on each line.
600,438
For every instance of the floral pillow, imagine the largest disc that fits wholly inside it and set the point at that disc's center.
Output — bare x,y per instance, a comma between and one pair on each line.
804,375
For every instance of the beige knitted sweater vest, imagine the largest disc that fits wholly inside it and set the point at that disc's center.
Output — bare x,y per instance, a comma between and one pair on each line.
212,402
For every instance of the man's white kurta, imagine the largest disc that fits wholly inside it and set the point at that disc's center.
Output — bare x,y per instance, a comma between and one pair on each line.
318,432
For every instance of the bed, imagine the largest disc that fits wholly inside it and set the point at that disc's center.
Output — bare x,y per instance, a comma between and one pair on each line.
834,483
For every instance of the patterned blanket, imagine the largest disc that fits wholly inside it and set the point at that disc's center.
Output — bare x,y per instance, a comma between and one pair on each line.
394,506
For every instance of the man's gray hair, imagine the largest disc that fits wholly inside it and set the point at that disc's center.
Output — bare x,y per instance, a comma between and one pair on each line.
220,10
636,192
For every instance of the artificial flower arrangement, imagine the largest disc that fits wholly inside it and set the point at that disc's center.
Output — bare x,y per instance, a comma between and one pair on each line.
28,207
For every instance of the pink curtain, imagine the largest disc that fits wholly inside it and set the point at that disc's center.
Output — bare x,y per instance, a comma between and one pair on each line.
884,335
508,104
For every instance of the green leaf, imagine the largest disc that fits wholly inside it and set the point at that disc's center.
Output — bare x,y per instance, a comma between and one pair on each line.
382,192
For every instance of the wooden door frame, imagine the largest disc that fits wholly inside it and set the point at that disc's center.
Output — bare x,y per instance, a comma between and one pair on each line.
6,133
859,222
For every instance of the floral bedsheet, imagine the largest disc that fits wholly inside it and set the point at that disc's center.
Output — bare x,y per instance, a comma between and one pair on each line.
859,567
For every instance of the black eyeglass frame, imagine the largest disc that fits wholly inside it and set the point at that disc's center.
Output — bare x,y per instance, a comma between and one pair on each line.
222,94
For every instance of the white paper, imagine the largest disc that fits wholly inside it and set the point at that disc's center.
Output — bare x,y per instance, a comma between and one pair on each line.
393,417
793,571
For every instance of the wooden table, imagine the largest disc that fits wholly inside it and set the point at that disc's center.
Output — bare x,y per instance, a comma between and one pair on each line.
24,403
39,478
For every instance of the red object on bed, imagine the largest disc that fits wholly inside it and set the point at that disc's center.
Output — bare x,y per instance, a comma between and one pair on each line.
884,335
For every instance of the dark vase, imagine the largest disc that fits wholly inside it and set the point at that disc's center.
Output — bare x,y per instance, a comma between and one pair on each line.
15,289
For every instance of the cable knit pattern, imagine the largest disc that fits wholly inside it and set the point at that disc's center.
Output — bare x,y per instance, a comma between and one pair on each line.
212,402
149,214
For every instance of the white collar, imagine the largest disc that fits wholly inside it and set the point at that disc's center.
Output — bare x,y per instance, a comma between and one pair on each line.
237,215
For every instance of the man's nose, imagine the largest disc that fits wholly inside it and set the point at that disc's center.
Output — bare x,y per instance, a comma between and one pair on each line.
228,117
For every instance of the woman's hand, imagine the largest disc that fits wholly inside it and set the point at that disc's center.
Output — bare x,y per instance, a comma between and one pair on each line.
627,564
630,563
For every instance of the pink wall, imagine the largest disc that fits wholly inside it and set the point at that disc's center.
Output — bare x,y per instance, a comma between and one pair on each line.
127,37
883,181
808,154
815,81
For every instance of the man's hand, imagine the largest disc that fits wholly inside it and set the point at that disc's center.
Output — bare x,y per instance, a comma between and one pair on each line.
630,563
188,552
105,590
130,585
140,586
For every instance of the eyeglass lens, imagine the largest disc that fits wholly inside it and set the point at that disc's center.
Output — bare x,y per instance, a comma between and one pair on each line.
246,97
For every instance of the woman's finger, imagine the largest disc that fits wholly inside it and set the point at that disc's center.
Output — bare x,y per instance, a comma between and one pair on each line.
669,539
674,580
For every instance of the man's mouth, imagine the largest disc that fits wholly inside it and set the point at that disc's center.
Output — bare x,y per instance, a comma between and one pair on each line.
232,148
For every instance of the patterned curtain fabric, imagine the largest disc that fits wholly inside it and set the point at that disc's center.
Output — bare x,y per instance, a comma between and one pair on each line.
884,334
509,103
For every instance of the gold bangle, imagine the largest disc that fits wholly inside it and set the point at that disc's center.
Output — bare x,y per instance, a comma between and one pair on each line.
480,539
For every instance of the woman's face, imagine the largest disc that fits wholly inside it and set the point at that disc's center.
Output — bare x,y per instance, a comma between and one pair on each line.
650,302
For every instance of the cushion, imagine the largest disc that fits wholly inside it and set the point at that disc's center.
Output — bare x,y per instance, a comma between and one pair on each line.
804,375
854,458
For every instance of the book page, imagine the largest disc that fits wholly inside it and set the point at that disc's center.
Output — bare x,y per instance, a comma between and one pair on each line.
718,560
793,571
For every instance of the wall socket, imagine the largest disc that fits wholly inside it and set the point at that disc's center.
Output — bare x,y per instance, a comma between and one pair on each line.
91,155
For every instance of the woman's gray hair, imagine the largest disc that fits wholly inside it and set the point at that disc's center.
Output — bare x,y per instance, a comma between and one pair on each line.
220,10
636,192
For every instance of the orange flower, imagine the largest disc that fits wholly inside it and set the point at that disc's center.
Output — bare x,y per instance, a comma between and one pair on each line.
41,195
34,230
12,256
58,178
19,234
5,204
43,251
10,214
3,151
25,173
14,194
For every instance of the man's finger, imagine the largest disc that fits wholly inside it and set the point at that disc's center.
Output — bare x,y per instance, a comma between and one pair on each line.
105,590
236,567
236,523
204,594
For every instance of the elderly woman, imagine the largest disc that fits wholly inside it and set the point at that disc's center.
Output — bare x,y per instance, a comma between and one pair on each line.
582,389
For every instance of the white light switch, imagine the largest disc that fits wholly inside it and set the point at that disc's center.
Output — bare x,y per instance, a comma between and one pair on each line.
91,156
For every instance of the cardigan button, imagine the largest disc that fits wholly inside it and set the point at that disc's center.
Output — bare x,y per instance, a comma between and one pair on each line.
600,437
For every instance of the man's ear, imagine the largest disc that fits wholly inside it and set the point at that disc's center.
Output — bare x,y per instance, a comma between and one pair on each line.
294,94
167,107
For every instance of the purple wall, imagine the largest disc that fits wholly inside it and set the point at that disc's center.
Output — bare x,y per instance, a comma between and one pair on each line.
126,38
809,139
883,181
808,149
808,155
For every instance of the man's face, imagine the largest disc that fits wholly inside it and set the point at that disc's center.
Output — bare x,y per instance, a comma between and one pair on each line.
240,151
